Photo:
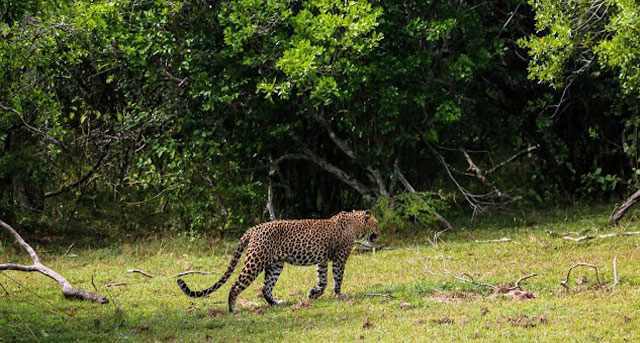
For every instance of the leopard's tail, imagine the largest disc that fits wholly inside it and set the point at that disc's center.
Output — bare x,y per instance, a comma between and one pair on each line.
244,241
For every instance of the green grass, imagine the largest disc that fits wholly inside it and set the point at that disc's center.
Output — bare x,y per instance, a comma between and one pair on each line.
428,302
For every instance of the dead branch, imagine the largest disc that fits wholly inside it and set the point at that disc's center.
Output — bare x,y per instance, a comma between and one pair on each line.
67,289
115,284
501,240
188,272
376,177
497,289
565,283
579,239
506,23
273,169
403,180
512,158
366,246
601,236
473,168
384,295
140,271
436,237
344,146
517,283
620,211
93,282
479,203
269,207
68,249
465,277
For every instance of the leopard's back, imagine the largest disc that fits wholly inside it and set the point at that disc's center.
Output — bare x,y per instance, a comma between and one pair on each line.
299,242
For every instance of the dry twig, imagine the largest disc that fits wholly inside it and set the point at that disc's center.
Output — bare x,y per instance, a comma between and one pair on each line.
140,271
480,203
192,272
465,277
565,282
68,249
517,284
583,238
501,240
93,282
436,237
384,295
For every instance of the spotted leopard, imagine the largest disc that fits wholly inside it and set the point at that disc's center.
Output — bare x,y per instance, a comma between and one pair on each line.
298,242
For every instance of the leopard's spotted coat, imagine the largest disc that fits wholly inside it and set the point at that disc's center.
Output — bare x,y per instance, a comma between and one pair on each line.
298,242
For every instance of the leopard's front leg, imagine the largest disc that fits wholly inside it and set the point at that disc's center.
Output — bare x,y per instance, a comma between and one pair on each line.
339,264
317,291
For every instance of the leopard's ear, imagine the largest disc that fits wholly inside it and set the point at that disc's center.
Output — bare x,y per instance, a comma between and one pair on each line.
367,213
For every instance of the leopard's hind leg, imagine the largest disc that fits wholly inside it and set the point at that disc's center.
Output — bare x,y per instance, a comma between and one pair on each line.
252,267
271,275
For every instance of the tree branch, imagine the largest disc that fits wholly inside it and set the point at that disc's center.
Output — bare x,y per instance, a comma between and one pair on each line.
403,180
270,209
512,158
84,178
375,174
32,128
67,289
339,142
309,155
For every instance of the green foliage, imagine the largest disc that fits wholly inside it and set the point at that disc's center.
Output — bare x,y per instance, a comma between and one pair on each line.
620,51
589,51
177,107
573,33
177,110
409,211
597,182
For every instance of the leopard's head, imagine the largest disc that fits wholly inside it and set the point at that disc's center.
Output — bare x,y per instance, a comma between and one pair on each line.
361,223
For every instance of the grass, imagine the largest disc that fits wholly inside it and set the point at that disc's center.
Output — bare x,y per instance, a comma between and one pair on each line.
427,302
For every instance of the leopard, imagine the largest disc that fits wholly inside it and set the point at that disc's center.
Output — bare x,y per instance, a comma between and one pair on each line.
300,242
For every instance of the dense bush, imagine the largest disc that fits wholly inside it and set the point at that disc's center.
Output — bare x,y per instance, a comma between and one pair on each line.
184,114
